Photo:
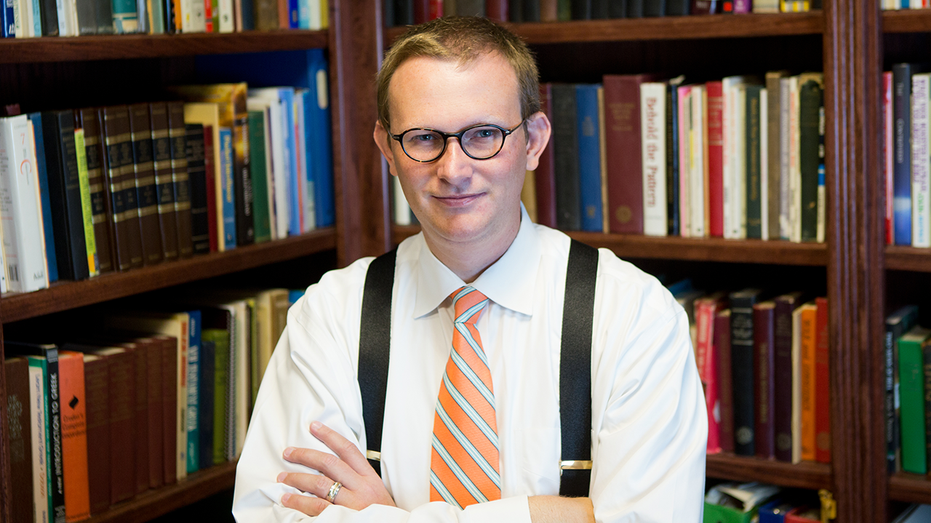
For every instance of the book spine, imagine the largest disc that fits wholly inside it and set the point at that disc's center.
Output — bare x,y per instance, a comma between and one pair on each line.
28,207
257,160
206,391
320,138
49,17
742,374
773,153
914,457
795,174
684,166
764,164
707,370
782,376
715,122
140,416
53,421
9,19
41,481
229,206
672,159
154,414
98,432
809,124
42,171
809,332
170,408
764,377
822,384
653,154
180,179
589,157
146,188
305,169
245,221
122,376
200,233
722,350
896,326
921,237
753,194
125,17
888,157
210,170
902,182
698,161
87,210
20,438
65,189
164,185
99,195
568,201
120,178
194,366
625,167
74,435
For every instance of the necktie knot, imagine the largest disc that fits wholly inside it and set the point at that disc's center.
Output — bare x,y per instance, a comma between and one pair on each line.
468,304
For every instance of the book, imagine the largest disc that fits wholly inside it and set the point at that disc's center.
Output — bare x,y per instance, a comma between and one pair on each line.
544,174
319,135
783,373
809,319
227,209
822,383
773,151
566,152
118,173
99,190
722,350
146,187
921,191
653,157
260,151
219,338
588,131
734,166
161,149
715,122
210,170
682,189
672,156
96,378
23,234
901,100
197,174
897,324
304,173
180,178
208,115
42,171
764,378
810,102
205,388
41,479
20,438
911,378
698,164
742,375
753,169
283,154
74,434
706,309
87,209
888,152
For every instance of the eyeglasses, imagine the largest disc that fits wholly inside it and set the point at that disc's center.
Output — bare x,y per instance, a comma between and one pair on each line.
479,142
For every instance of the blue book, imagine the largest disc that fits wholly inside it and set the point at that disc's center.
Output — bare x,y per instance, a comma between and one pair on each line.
294,295
286,95
193,387
303,14
588,129
320,139
902,159
229,197
774,511
305,169
9,26
51,259
294,16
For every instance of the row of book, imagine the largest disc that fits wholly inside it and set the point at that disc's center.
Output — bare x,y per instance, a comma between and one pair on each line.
91,191
732,502
763,363
408,12
138,402
34,18
907,154
735,158
904,4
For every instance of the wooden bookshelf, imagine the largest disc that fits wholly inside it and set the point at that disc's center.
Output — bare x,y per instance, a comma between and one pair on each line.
154,503
664,28
72,294
910,488
902,258
806,475
906,21
108,47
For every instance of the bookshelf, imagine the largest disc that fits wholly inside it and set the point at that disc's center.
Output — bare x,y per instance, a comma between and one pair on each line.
132,66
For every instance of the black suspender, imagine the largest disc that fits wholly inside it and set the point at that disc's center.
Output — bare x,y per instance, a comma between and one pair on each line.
574,372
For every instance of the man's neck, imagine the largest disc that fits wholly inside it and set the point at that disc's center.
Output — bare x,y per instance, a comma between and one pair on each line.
468,260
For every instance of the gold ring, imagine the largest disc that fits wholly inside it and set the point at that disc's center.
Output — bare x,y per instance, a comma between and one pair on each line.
334,490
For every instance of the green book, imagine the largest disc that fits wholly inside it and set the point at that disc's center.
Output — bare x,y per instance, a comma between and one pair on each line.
810,100
221,342
754,173
258,162
912,397
87,211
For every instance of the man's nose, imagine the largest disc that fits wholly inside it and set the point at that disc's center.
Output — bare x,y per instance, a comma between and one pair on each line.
454,165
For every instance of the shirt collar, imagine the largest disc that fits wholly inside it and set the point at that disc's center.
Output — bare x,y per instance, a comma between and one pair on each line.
509,282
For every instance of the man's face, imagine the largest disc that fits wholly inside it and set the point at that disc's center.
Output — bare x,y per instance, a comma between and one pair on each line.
456,198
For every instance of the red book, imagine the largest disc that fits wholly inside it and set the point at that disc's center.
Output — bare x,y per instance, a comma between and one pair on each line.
121,374
804,515
715,122
97,390
421,11
210,169
722,350
764,391
822,388
623,155
74,434
496,10
888,156
705,311
152,350
545,173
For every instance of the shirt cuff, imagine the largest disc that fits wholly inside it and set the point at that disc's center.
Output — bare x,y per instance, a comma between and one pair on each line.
509,510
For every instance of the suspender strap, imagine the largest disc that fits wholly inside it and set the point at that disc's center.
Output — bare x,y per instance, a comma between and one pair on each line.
374,349
575,368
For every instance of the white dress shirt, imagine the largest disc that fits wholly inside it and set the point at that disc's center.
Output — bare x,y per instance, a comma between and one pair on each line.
649,426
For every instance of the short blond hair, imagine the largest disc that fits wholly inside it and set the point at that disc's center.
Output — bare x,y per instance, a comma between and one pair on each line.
464,39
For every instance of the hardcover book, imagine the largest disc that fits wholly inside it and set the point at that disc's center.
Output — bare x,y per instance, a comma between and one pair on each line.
783,373
180,178
810,102
897,324
87,209
96,378
545,174
565,139
161,149
118,173
722,350
197,174
773,150
822,384
764,376
911,378
146,187
653,156
742,336
42,171
99,190
74,434
588,125
20,438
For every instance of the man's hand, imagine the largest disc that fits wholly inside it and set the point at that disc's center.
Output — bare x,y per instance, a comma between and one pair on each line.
361,486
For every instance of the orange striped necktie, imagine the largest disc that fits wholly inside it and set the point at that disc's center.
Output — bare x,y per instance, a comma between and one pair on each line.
464,466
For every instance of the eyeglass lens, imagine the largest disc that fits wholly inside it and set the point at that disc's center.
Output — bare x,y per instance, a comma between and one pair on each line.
478,142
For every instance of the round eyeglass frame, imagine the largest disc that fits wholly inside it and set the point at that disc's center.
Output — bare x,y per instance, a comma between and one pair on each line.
458,136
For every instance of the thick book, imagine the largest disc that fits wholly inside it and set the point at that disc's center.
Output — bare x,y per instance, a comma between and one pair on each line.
97,390
226,212
260,162
64,194
722,350
588,129
742,374
165,192
715,123
219,338
911,378
180,178
888,152
810,102
197,174
118,173
146,186
653,8
764,377
42,171
545,174
653,157
677,7
782,373
20,438
623,143
566,141
672,157
74,434
99,190
169,352
897,324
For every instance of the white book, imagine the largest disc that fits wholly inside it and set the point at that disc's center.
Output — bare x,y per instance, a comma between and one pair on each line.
38,442
192,16
785,183
731,133
921,163
66,17
684,119
764,163
280,157
306,171
402,210
25,27
21,207
698,163
263,105
795,168
653,149
316,15
18,17
227,22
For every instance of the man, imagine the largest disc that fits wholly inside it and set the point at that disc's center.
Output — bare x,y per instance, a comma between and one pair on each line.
476,85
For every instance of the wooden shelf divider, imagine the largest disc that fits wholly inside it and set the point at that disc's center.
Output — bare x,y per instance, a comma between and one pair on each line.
72,294
911,488
901,258
906,21
109,47
807,475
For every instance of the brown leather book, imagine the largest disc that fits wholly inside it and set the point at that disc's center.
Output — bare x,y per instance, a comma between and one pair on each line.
122,377
100,195
722,350
97,393
141,414
20,438
169,352
151,350
120,177
266,15
161,150
179,175
146,195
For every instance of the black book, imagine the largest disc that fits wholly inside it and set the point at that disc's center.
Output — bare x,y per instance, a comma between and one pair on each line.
196,168
581,9
65,194
600,9
566,153
782,373
617,8
635,8
49,17
677,7
205,412
531,10
672,156
104,11
403,12
654,8
242,182
810,102
742,369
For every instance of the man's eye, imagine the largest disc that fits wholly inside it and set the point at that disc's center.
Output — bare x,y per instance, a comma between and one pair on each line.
423,138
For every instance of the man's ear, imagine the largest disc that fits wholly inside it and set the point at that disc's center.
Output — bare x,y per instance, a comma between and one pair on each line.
383,141
538,136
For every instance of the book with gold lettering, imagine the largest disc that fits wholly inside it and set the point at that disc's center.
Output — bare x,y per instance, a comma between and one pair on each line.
180,178
99,191
120,177
165,188
146,188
